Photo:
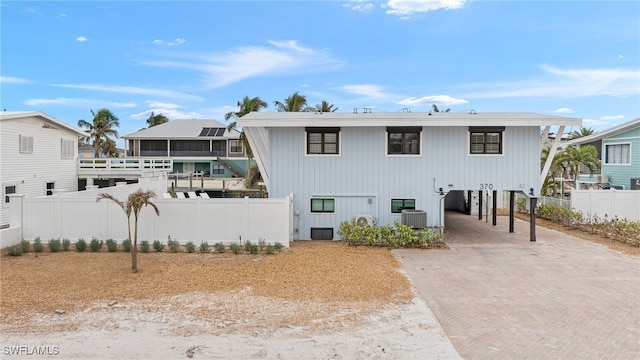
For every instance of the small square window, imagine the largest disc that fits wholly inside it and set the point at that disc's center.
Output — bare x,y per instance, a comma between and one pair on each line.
218,169
618,154
322,205
485,140
26,144
403,140
323,141
50,187
397,205
235,146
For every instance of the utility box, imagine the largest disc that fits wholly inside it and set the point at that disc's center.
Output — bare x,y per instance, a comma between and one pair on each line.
635,184
417,219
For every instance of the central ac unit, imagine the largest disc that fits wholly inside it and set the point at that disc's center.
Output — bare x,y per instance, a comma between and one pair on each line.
417,219
364,219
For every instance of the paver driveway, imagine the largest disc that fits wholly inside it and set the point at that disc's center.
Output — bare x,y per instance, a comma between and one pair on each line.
499,296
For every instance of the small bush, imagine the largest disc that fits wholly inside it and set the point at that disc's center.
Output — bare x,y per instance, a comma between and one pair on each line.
269,249
37,245
278,246
174,245
158,246
126,245
261,244
66,244
95,245
219,247
144,246
15,251
247,244
25,246
54,245
112,245
81,245
190,247
204,247
235,248
252,248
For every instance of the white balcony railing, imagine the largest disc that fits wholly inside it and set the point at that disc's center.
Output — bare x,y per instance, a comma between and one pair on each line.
122,166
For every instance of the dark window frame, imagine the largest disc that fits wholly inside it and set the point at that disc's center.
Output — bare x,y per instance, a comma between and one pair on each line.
50,186
324,143
404,205
217,169
487,133
7,192
324,209
405,145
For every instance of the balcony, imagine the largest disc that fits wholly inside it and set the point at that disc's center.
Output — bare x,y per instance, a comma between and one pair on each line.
122,167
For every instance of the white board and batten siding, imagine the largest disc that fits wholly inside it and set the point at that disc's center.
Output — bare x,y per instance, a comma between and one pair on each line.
31,172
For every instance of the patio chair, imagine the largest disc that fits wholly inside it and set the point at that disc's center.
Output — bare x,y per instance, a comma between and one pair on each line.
204,195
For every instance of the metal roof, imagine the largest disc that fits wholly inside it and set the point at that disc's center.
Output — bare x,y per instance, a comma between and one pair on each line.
606,133
17,115
182,129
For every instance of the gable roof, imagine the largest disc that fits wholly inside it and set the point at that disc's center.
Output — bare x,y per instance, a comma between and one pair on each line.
606,133
49,120
303,119
181,129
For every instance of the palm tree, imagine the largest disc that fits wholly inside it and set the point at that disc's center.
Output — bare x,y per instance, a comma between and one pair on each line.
109,148
582,131
294,103
154,120
324,106
133,205
435,108
245,106
100,128
575,158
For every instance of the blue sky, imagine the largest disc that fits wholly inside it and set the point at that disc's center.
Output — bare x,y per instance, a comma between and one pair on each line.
196,59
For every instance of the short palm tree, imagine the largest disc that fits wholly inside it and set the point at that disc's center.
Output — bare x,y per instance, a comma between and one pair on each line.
293,103
100,128
155,120
435,109
324,106
581,132
245,106
134,203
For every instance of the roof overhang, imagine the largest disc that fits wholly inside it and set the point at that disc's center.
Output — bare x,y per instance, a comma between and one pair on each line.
49,120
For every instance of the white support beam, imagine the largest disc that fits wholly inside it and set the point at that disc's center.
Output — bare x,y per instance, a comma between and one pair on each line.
552,154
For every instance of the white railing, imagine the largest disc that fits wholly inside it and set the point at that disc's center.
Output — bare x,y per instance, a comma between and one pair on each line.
117,166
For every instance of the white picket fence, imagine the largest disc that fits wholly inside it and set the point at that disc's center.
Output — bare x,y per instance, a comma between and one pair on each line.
211,220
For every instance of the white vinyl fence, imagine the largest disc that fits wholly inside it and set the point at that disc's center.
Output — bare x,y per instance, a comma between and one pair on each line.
211,220
625,204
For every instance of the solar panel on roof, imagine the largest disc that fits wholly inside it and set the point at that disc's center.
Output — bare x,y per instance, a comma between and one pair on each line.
212,132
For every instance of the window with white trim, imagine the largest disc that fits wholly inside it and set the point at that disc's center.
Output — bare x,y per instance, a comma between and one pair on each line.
618,154
323,141
485,140
322,205
217,169
235,146
67,149
26,144
403,140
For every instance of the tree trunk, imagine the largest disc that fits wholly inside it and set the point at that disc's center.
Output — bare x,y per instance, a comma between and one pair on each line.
134,249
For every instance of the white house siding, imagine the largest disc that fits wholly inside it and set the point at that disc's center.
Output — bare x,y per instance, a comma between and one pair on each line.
363,172
31,172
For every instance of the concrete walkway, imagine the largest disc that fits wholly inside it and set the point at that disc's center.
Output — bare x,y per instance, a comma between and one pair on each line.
500,296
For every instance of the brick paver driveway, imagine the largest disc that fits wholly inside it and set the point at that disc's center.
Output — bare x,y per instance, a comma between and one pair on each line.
499,296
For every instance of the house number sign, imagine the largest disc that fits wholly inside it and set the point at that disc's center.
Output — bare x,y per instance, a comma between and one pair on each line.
486,186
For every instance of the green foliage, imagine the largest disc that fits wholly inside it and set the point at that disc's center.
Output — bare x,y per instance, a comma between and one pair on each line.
261,244
269,249
144,246
247,244
521,204
81,245
126,245
158,246
278,246
219,247
37,245
25,244
190,247
112,245
235,248
15,251
204,247
66,243
95,244
174,245
54,245
252,248
398,235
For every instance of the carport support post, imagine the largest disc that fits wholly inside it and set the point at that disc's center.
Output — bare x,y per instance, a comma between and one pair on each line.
494,216
480,205
532,219
469,195
512,201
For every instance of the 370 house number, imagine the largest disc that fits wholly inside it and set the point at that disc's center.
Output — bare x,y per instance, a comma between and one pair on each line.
486,186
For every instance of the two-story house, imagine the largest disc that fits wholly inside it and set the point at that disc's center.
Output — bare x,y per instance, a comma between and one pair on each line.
340,166
38,156
196,146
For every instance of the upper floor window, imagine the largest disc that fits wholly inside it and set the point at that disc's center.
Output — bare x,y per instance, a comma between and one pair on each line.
485,140
397,205
323,141
235,146
322,205
618,154
67,149
26,144
403,140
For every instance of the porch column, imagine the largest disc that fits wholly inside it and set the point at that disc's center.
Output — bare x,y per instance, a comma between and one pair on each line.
89,181
512,201
469,195
494,216
532,219
479,205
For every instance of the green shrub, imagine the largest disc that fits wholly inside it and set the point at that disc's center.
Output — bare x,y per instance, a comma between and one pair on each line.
15,251
54,245
144,246
235,248
261,244
278,246
158,246
37,245
126,245
247,245
190,247
95,245
25,246
204,247
174,245
252,248
112,245
269,249
219,247
66,243
81,245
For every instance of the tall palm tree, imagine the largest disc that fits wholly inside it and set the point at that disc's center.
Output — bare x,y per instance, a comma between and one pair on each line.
582,131
100,128
293,103
154,120
134,203
245,106
435,108
109,148
324,106
575,158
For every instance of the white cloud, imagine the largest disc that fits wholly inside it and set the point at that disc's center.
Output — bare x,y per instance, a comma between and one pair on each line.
130,90
170,110
177,41
434,99
406,8
81,39
368,90
564,111
359,5
78,102
13,80
612,117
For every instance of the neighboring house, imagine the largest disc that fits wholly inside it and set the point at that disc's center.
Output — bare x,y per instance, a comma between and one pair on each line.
204,146
619,149
38,156
342,166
